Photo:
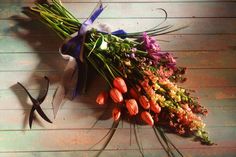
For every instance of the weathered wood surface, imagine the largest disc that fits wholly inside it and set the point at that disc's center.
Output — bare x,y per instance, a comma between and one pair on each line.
28,51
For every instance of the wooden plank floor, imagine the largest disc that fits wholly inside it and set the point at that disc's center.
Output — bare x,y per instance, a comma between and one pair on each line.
28,51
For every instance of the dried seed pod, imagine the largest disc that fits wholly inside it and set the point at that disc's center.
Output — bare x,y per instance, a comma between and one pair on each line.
102,98
146,117
132,107
143,100
116,113
120,84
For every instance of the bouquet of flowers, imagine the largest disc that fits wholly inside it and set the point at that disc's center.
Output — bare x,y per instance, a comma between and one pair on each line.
142,78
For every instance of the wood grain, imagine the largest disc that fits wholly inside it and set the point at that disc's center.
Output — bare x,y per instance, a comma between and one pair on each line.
175,10
83,139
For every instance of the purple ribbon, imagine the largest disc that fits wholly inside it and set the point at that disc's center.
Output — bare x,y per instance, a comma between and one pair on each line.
74,45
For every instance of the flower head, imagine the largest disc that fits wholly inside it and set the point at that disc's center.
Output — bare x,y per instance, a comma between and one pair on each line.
116,113
102,98
120,84
116,95
132,106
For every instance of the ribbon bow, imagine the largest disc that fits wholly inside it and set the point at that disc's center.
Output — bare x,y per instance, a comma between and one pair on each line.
72,50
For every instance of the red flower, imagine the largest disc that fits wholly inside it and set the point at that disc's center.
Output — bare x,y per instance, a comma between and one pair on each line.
120,84
155,107
116,95
116,113
146,117
132,107
143,100
102,98
133,93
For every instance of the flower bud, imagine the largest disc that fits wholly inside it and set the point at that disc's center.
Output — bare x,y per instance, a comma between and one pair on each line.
132,107
143,100
146,117
155,107
102,98
120,84
116,113
133,93
116,95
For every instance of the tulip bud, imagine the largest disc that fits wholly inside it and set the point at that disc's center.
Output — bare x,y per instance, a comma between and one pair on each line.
155,107
102,98
132,107
120,84
133,93
116,113
143,100
116,95
146,117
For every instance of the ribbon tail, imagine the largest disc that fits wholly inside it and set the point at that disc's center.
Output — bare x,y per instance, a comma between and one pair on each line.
57,99
62,89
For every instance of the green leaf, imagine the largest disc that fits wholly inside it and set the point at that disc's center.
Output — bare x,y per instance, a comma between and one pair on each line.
99,42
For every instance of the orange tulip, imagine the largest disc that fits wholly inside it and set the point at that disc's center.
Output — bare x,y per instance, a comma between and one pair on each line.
120,84
132,107
146,117
116,113
133,93
116,95
102,98
143,100
155,107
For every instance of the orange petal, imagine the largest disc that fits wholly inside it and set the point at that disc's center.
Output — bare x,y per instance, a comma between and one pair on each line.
143,100
102,98
155,107
132,107
116,113
120,84
146,117
116,95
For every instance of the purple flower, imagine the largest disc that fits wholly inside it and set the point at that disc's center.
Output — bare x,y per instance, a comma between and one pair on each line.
154,51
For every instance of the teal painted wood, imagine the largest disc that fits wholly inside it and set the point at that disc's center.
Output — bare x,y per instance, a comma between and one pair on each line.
175,10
